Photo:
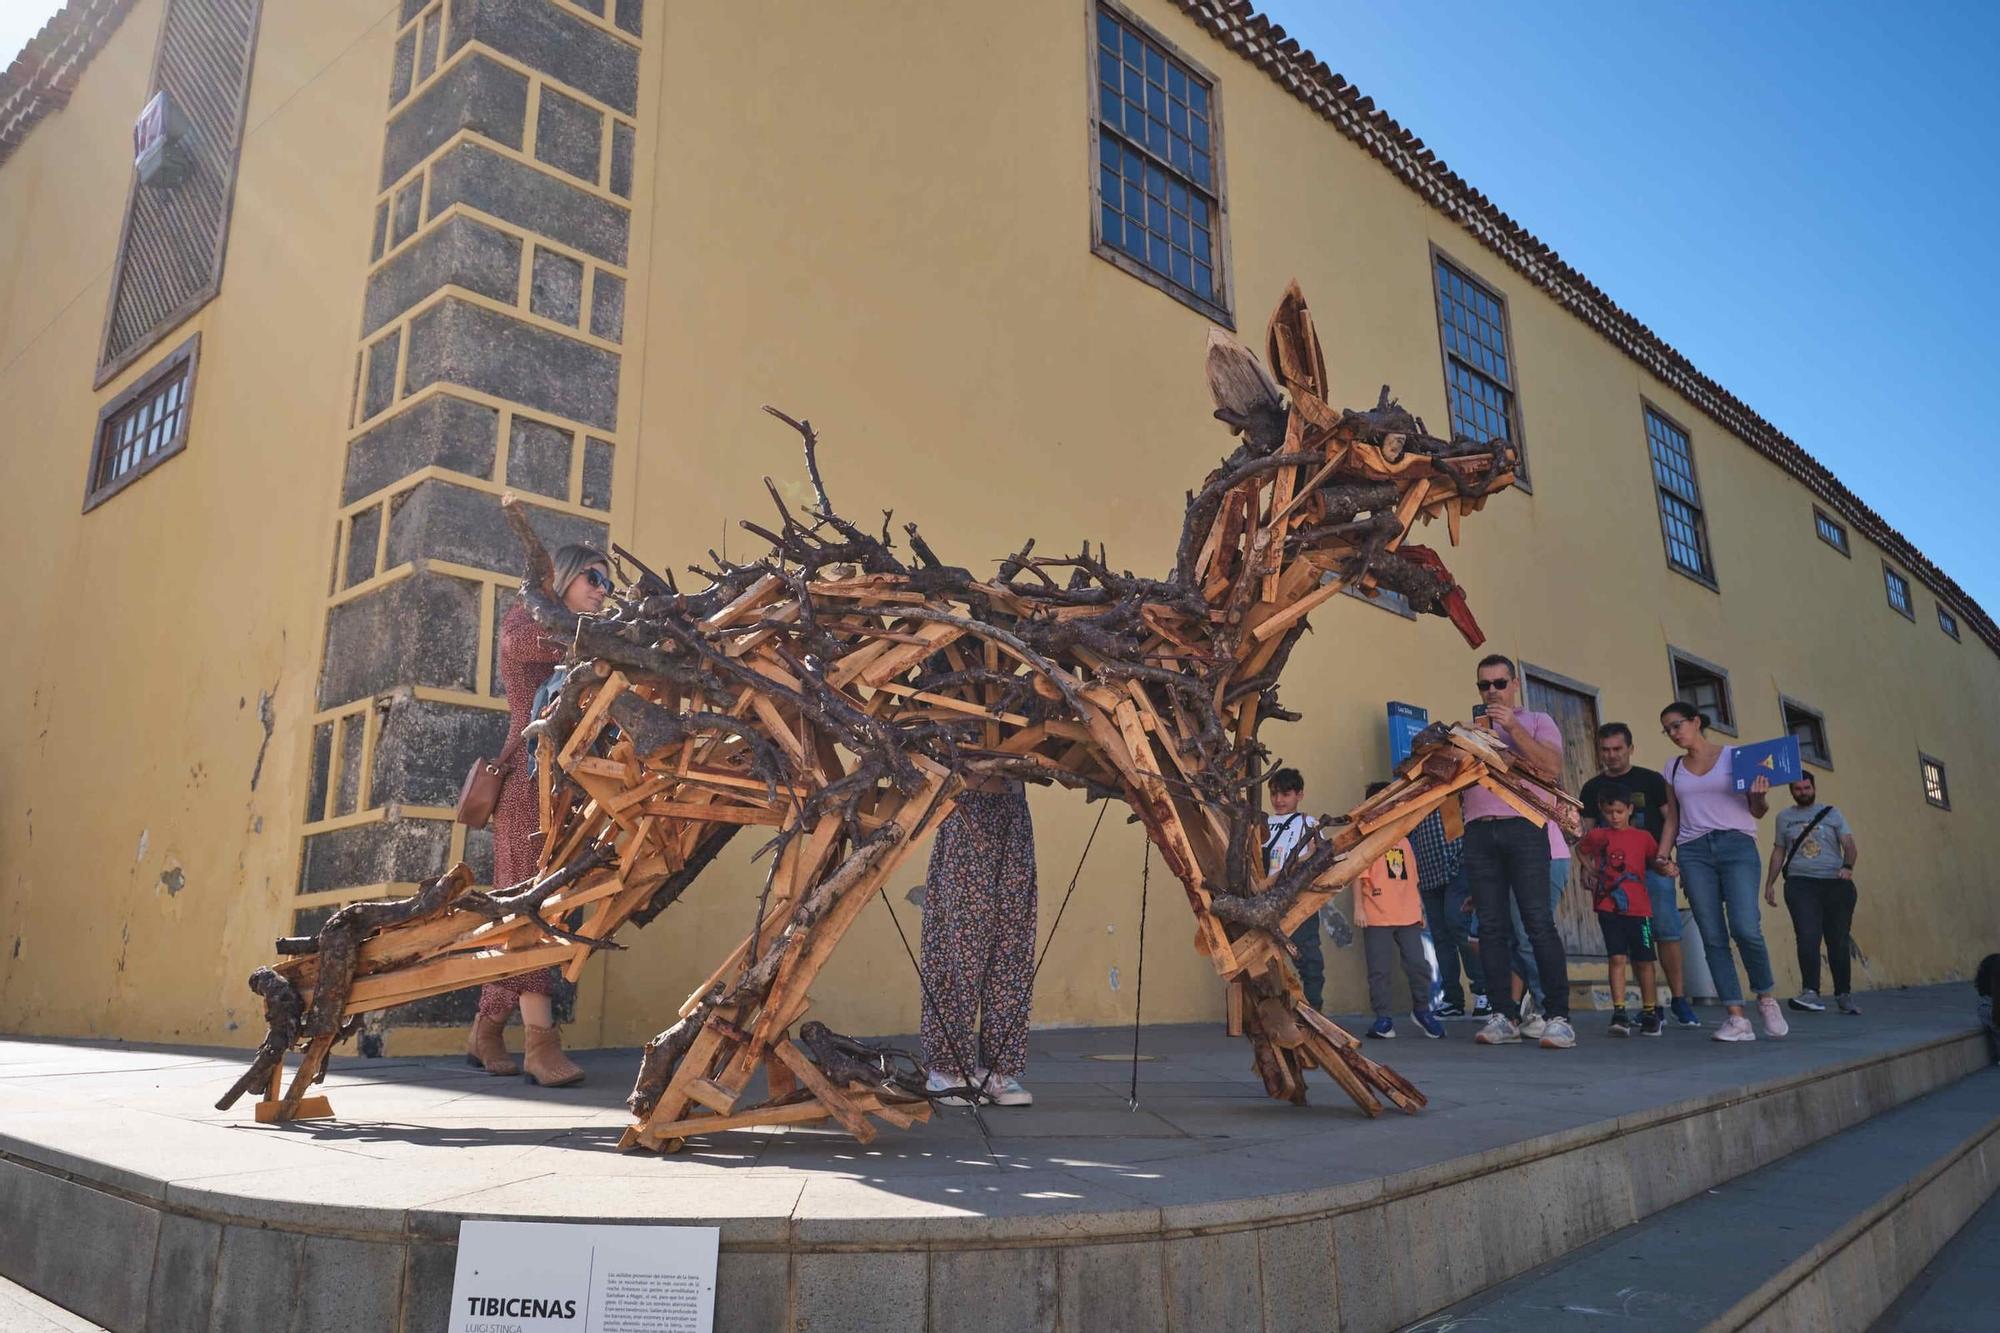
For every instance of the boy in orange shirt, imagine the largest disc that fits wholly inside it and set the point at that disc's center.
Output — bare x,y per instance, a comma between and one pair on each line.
1390,912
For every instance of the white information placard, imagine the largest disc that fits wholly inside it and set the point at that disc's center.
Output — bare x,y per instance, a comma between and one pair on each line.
553,1277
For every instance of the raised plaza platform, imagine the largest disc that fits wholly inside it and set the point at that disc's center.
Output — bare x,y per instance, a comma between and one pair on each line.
126,1198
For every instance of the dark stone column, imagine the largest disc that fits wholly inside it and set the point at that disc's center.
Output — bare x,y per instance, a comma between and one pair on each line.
489,358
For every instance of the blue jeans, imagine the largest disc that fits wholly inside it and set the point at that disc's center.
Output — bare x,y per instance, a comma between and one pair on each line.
1666,908
1444,912
1311,961
1719,876
1524,957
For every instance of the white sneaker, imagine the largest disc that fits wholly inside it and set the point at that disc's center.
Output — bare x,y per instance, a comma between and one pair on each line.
937,1082
1006,1090
1558,1035
1499,1031
1808,1002
1534,1027
1734,1028
1774,1017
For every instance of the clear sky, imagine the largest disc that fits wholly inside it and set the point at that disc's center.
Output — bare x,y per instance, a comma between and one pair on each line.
1799,196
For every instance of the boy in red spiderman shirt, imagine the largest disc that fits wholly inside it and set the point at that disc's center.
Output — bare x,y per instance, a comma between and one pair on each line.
1615,859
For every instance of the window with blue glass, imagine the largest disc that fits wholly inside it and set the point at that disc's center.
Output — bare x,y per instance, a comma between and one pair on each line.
1478,368
1682,521
1159,192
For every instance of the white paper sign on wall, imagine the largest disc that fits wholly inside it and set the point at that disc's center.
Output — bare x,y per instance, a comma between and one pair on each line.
549,1277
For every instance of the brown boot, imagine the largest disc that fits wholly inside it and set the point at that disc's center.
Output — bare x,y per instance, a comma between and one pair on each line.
487,1047
545,1061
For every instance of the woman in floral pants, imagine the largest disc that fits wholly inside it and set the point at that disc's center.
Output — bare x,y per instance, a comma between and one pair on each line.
979,944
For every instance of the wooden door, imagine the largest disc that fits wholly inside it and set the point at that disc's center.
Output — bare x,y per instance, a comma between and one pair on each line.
1575,712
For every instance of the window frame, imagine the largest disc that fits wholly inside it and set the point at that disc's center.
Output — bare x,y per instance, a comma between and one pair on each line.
1222,311
1908,610
1517,419
1925,763
1845,547
1948,622
1676,656
184,361
1709,580
1788,706
110,367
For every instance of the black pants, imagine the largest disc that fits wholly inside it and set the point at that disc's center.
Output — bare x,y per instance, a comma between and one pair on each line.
1511,856
1311,961
1822,909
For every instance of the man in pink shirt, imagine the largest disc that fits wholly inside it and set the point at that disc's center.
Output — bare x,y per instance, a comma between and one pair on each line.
1507,856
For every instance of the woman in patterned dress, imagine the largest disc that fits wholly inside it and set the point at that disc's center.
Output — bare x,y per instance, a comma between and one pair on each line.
979,944
527,655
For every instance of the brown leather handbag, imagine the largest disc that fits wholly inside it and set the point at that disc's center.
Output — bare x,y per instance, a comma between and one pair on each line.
483,782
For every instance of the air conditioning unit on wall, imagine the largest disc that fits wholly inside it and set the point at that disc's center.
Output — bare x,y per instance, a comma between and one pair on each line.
161,152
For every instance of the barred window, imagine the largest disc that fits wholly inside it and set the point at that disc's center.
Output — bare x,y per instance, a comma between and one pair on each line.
1935,790
1898,589
143,426
1478,365
1682,522
1158,190
1830,532
1947,621
1808,725
1705,686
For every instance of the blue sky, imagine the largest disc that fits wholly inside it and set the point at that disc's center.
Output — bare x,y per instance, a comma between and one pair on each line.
1797,196
1800,197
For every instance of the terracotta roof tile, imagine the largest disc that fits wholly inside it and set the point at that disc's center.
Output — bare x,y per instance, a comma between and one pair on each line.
1237,25
42,77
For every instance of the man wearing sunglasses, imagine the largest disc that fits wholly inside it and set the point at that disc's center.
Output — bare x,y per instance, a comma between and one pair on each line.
1505,855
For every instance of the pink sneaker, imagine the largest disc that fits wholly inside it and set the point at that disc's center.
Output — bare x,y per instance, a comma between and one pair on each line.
1774,1017
1734,1028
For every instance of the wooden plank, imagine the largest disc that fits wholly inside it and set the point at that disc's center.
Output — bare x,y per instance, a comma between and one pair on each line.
447,974
714,1098
833,1099
1521,807
1406,510
594,718
1298,610
309,1108
716,813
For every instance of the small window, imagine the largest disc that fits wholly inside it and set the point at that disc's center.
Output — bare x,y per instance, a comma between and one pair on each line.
1808,725
142,427
1935,790
1705,686
1479,380
1830,532
1947,621
1158,193
1682,522
1899,593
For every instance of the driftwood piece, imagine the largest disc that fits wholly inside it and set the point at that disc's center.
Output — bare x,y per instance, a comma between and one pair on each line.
836,692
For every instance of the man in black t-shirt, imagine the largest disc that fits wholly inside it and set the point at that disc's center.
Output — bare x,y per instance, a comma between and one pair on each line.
1652,800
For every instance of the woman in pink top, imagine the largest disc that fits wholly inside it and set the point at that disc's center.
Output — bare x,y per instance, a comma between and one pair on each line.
1711,830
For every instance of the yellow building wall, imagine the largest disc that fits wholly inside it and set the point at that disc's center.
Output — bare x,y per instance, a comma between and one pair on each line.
883,225
886,228
143,872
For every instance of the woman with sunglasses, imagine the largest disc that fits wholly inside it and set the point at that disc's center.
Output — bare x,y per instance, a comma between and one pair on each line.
1711,831
527,655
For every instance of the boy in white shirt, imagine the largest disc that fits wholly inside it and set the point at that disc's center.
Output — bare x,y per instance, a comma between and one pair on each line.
1284,829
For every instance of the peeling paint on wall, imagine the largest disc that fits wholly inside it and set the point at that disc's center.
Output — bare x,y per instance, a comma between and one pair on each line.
173,879
267,716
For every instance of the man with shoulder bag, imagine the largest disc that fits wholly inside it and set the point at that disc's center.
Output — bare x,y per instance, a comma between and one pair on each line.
1815,854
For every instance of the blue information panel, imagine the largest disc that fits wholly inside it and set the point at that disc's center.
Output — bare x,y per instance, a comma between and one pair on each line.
1405,721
